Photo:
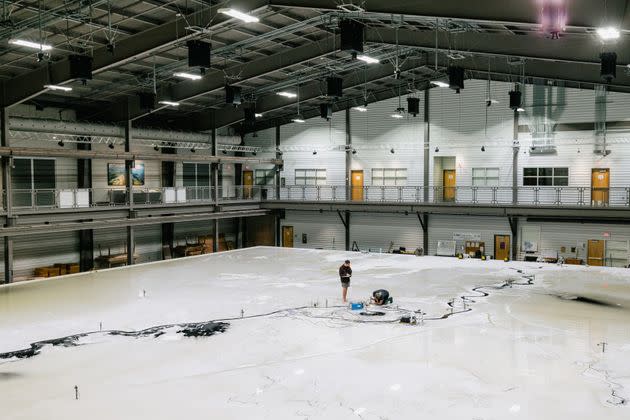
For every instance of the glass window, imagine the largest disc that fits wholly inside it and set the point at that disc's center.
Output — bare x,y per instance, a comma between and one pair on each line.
485,177
389,177
33,179
310,177
546,177
197,177
264,176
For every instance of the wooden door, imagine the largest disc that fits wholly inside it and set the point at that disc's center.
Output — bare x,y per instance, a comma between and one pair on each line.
287,236
501,247
596,252
357,185
248,184
600,184
449,182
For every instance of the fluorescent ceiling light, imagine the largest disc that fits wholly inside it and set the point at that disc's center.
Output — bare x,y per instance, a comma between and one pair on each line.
440,83
258,115
519,109
187,76
298,119
239,15
169,103
362,108
56,87
29,44
368,59
397,115
608,33
287,94
492,101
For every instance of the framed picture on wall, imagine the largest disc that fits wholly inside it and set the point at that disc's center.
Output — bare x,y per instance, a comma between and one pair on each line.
116,176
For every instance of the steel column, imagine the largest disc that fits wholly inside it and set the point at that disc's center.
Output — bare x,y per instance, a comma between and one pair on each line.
427,151
129,184
86,236
348,158
7,162
277,167
515,152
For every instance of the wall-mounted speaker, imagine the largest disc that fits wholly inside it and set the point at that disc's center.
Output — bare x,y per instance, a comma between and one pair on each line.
198,54
351,35
413,106
456,78
80,67
232,95
515,99
326,111
335,87
609,66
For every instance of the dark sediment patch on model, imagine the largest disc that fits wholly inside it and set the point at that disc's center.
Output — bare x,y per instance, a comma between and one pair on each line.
201,329
590,301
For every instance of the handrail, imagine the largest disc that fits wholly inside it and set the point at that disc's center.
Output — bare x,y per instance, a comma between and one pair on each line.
565,196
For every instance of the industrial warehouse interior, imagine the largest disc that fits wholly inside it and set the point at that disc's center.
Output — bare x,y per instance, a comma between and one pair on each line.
315,209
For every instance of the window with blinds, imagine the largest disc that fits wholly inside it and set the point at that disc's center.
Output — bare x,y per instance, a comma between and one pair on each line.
310,177
389,177
485,177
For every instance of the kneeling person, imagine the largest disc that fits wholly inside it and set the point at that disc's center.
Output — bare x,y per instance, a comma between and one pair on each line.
381,297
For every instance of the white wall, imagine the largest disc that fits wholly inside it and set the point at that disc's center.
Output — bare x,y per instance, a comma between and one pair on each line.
323,230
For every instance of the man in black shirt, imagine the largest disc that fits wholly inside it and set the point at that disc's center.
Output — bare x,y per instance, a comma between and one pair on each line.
345,272
381,297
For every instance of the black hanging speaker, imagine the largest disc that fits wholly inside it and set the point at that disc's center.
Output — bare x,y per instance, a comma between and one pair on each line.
80,67
456,78
335,87
351,35
609,66
148,100
232,95
413,106
198,54
325,111
515,99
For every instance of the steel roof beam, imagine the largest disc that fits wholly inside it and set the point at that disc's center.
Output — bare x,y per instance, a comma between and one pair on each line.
24,87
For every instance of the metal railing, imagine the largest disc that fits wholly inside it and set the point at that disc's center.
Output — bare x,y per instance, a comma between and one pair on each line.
76,198
531,196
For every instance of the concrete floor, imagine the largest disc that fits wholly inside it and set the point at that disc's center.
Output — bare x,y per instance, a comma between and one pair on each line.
526,351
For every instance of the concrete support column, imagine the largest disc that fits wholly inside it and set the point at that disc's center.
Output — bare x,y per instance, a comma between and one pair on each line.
515,152
514,228
7,163
427,149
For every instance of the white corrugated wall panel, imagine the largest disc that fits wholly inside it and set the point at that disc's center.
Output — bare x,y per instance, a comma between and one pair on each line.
458,128
374,133
554,236
377,231
323,230
441,228
326,137
30,252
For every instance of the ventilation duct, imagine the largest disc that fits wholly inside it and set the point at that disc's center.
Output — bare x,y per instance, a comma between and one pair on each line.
104,130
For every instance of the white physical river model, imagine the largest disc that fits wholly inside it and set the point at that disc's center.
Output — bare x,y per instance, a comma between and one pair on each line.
261,334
